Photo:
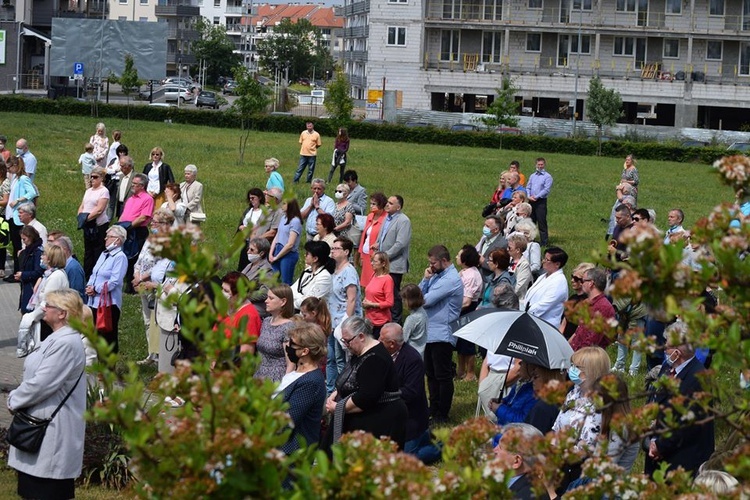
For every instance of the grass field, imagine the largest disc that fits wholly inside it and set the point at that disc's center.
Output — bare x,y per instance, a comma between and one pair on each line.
444,189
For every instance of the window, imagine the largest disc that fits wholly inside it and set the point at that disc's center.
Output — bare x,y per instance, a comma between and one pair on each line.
745,59
714,49
122,18
451,9
217,20
144,2
123,2
492,43
586,4
397,1
535,4
396,36
671,48
625,6
217,3
716,7
585,44
143,19
533,42
493,10
746,15
624,46
449,40
674,6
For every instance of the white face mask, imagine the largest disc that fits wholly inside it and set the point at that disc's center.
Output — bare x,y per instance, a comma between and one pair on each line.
252,258
338,195
19,151
111,247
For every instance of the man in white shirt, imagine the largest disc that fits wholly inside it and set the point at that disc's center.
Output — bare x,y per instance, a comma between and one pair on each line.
27,214
675,231
546,297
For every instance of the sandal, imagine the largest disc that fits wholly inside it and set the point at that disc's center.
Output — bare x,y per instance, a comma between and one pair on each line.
176,402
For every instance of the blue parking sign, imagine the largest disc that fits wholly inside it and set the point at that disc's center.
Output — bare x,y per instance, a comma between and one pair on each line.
77,68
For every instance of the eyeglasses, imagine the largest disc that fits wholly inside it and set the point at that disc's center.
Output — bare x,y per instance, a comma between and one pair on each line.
94,176
577,279
339,191
155,154
336,248
137,184
50,306
547,260
348,341
585,280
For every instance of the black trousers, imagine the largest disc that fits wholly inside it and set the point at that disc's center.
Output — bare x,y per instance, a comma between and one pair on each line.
111,337
397,310
41,487
93,248
15,239
438,361
539,215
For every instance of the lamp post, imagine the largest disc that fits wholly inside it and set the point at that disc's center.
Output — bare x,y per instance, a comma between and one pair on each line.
578,64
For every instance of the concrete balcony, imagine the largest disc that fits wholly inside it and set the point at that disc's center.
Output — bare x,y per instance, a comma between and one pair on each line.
182,34
355,55
356,32
357,8
358,81
177,11
174,58
235,10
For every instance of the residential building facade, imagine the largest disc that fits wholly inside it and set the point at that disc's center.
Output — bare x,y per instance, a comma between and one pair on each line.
674,62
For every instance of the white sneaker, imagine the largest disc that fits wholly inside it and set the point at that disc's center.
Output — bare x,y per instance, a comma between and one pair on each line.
150,359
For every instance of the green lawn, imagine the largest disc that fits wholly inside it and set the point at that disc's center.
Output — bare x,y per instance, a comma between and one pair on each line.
444,189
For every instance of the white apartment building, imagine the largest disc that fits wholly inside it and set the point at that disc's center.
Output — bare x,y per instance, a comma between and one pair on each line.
687,61
132,10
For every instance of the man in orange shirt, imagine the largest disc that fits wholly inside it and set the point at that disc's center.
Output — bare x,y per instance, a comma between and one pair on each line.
308,153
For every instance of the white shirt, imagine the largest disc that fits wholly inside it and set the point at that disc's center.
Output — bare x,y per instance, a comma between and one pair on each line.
546,297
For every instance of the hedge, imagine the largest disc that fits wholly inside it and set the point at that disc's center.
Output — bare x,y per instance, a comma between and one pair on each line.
364,130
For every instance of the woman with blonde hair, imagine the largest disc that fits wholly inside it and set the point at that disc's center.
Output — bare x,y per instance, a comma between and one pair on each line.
379,298
100,141
273,332
159,174
50,373
343,213
568,328
94,205
274,178
533,251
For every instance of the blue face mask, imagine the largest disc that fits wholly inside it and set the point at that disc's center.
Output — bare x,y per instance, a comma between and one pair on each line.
486,231
574,374
42,264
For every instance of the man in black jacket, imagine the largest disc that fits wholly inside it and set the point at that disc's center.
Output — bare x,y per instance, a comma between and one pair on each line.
689,445
410,371
515,451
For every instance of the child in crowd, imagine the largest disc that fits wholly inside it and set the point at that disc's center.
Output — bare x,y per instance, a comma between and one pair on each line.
87,162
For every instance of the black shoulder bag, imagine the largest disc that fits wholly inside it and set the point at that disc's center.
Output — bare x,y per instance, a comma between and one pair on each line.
27,432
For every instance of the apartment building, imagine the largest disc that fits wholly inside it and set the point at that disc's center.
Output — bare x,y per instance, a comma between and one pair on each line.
674,62
265,17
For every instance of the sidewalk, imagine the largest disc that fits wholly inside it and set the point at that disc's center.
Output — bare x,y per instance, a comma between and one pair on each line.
11,368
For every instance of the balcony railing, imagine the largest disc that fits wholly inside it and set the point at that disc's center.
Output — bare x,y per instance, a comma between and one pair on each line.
357,8
177,11
182,34
237,10
356,32
358,81
355,55
174,58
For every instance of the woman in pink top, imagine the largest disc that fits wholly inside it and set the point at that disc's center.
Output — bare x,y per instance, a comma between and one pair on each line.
95,201
379,293
370,236
468,261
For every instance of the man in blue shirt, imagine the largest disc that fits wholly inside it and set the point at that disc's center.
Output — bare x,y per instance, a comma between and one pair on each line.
538,188
318,203
443,293
73,268
29,160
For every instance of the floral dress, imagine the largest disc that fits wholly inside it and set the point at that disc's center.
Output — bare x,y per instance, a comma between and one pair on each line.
270,346
339,215
630,175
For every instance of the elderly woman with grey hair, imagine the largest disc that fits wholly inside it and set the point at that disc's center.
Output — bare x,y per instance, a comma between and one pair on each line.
191,193
343,214
100,141
259,272
367,395
109,272
533,251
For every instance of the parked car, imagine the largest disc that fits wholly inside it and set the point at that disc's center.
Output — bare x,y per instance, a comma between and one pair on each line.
508,130
416,124
691,143
557,134
173,93
229,88
182,82
743,147
464,127
206,98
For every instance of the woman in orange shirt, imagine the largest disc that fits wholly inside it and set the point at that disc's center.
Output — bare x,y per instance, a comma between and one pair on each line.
369,238
379,293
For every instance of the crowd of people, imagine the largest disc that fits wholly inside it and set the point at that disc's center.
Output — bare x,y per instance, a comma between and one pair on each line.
335,337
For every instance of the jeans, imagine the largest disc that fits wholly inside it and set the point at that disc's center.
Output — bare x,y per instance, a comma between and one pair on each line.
285,265
438,360
422,448
305,161
622,354
335,363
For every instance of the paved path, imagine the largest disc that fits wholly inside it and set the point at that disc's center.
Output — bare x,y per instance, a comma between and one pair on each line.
11,368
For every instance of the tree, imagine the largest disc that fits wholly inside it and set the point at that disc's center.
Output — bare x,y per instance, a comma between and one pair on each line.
253,98
296,47
339,101
504,108
216,50
604,107
128,80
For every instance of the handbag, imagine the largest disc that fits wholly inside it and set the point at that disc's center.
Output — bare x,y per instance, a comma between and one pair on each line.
197,217
104,311
26,432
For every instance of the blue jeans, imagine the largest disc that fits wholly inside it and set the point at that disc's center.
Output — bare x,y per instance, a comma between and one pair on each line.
335,363
305,161
622,354
422,448
285,265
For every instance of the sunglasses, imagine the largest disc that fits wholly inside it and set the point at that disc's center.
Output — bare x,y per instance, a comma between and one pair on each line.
577,279
94,176
637,219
